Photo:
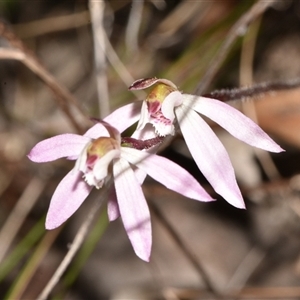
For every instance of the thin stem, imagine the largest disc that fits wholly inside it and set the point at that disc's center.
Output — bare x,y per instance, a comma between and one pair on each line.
89,246
77,242
245,269
19,213
180,243
120,68
97,15
254,91
33,264
248,52
133,26
22,248
246,78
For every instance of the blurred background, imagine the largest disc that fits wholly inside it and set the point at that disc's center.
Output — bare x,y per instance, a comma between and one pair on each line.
62,62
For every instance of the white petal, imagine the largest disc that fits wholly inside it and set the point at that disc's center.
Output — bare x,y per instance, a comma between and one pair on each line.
90,179
163,129
210,155
233,121
100,169
144,117
80,164
146,133
170,102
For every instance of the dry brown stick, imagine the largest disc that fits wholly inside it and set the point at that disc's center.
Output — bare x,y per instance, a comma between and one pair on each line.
63,97
188,253
238,29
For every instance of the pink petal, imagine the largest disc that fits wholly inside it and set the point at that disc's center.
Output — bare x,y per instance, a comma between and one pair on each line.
113,211
233,121
57,147
68,196
122,118
113,132
97,131
210,155
133,209
167,173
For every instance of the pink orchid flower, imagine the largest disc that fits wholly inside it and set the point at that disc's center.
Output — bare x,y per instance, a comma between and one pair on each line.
101,155
166,106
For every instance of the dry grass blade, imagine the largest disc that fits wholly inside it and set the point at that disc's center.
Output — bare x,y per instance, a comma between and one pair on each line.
77,242
19,213
134,23
246,78
238,29
33,264
97,15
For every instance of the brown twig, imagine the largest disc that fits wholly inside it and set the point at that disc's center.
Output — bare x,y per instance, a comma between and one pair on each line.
63,97
188,253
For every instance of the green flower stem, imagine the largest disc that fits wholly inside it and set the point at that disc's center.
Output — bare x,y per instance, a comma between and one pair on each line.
22,249
34,262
